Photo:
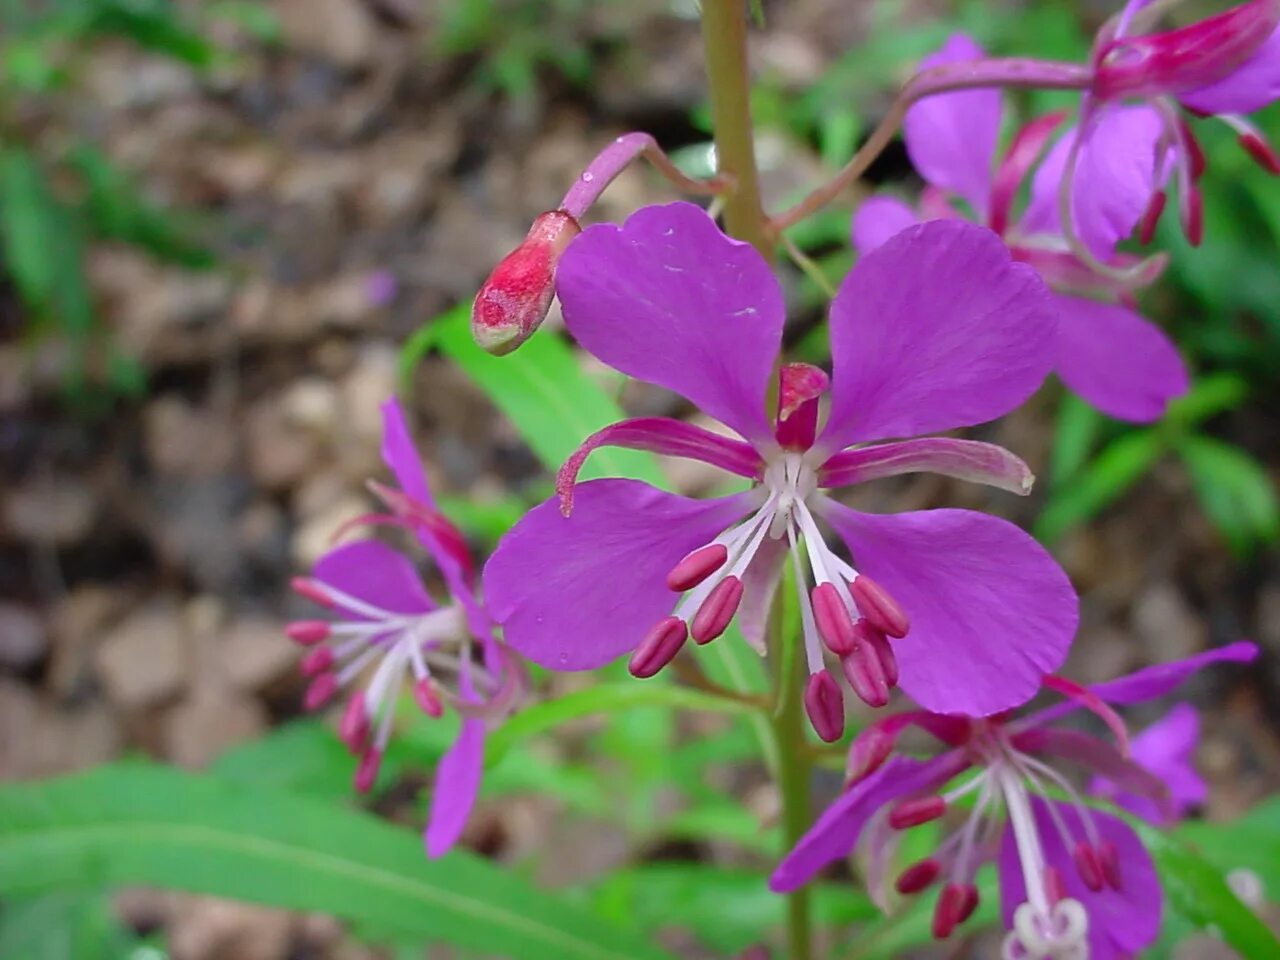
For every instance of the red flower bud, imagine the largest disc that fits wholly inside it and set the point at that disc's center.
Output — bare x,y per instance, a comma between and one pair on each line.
515,299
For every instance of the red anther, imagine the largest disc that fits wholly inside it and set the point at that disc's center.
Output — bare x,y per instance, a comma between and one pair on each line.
1054,887
513,301
1151,217
716,612
880,609
824,703
948,913
307,632
917,877
865,675
1195,153
312,590
969,904
867,754
1109,860
1087,865
428,701
697,566
878,645
1193,216
367,769
912,813
799,387
834,622
316,662
320,691
1262,152
659,647
353,728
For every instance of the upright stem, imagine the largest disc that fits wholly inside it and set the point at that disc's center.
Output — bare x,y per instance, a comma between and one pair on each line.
724,39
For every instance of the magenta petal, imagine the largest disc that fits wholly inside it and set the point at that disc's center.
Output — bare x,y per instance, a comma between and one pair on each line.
1121,922
1253,85
457,783
951,137
670,299
401,456
936,329
1153,682
1167,750
836,832
573,593
991,612
963,459
878,219
1117,360
371,571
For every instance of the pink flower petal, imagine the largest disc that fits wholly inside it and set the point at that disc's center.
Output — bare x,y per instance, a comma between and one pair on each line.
371,571
1121,923
938,328
991,612
1117,360
1166,749
1252,86
669,299
573,593
963,459
401,455
1154,682
951,137
457,783
878,219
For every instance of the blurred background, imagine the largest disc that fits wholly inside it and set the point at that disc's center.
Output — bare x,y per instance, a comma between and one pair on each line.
229,229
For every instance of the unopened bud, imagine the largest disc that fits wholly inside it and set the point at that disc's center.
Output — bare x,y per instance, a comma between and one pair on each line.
515,299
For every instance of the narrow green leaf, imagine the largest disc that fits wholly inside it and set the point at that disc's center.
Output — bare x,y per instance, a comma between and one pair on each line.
1234,489
28,226
1076,433
62,926
127,825
1117,468
1207,397
155,25
1251,842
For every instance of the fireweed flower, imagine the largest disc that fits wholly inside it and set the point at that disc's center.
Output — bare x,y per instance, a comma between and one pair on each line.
1106,352
937,329
1167,749
1075,881
387,626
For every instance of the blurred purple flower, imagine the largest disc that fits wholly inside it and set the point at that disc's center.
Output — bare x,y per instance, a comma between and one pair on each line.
1167,749
384,616
937,329
1074,881
381,287
1106,352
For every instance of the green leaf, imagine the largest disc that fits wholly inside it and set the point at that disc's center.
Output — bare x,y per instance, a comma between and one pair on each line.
127,825
601,699
1234,489
28,226
891,937
62,926
1117,468
1251,842
1197,890
544,391
155,25
1207,397
1076,433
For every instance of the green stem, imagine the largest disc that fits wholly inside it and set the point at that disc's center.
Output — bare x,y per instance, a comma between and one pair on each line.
724,39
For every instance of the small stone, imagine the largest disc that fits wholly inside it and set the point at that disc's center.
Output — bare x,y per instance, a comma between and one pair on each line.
340,31
1167,625
76,625
206,928
256,654
142,661
23,640
314,538
57,510
201,728
185,440
280,453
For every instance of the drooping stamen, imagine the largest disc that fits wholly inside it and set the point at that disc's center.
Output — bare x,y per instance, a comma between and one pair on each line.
307,633
865,674
1087,865
914,812
880,609
1151,217
867,754
312,590
318,661
953,908
1196,163
1021,156
1192,211
1054,886
835,624
824,703
697,566
320,691
1262,152
427,699
367,769
1095,705
1109,860
658,648
878,646
717,611
353,729
917,877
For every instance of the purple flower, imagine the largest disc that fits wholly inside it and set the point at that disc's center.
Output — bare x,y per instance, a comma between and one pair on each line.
935,330
1167,749
1106,352
1074,881
387,626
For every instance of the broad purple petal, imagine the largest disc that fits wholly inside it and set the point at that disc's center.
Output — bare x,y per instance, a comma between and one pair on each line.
1167,749
573,593
963,459
457,783
371,571
1114,179
879,218
669,299
991,612
1252,86
938,328
1121,923
951,137
836,832
1120,362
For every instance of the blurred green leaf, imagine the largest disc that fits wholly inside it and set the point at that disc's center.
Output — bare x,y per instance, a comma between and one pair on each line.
1251,842
62,926
1208,397
128,825
891,937
28,226
254,18
1117,468
1077,431
154,24
1234,490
